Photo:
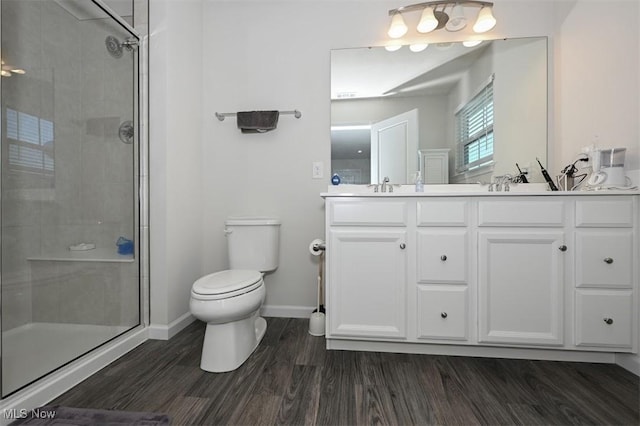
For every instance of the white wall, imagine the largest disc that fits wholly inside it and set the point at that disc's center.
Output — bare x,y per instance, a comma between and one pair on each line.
175,156
597,73
275,55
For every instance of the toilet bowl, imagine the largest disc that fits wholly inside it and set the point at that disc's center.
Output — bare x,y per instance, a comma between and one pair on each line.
229,301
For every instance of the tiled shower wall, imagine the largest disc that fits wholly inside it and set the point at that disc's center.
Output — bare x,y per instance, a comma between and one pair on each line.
72,81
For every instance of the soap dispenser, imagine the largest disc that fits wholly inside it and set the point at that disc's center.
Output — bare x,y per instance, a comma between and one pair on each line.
419,182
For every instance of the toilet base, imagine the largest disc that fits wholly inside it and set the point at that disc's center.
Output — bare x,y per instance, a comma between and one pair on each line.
227,346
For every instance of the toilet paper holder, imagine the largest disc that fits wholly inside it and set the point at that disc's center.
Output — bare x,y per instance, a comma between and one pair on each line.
318,245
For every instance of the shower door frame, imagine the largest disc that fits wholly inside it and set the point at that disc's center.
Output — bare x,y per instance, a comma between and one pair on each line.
69,374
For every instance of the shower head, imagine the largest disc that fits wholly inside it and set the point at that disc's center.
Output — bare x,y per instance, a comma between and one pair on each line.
115,47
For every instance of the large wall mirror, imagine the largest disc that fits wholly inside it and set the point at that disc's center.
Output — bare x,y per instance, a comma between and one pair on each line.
396,112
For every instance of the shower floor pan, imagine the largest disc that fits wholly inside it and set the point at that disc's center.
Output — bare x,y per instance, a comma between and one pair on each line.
33,350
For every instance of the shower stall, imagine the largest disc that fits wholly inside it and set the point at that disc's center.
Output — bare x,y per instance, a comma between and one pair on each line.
70,269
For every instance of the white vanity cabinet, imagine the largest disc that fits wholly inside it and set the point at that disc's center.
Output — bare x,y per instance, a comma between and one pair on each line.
367,268
495,274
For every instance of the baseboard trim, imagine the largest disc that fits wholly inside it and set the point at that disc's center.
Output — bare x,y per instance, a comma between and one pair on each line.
286,311
166,332
473,351
630,362
67,377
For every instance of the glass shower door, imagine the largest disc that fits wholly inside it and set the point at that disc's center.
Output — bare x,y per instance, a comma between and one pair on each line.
69,202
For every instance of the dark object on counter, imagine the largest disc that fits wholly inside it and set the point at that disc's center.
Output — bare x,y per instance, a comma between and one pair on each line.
547,177
522,176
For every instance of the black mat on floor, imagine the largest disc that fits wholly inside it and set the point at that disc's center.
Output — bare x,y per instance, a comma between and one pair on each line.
59,416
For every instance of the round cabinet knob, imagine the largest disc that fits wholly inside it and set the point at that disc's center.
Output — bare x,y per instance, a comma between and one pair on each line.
403,246
609,321
562,248
443,257
443,314
608,260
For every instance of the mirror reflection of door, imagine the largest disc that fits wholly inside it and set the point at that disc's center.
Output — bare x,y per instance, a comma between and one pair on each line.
394,148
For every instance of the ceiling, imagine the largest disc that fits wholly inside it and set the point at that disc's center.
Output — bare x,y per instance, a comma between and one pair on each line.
376,72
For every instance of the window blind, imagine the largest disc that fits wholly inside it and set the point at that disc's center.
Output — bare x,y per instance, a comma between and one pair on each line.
474,131
30,142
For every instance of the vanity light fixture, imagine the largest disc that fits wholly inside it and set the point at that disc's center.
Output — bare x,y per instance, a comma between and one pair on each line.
435,16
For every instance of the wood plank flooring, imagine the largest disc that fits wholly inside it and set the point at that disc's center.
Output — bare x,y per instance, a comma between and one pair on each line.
292,379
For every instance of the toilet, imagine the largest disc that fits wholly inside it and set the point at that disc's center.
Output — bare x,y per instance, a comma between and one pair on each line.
229,301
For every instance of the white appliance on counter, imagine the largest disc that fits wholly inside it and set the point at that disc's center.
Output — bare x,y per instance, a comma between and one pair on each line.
608,168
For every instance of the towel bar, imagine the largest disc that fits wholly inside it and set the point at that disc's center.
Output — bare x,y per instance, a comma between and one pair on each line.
221,115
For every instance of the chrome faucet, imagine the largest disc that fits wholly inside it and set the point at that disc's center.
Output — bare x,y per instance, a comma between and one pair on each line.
506,180
495,185
501,183
384,184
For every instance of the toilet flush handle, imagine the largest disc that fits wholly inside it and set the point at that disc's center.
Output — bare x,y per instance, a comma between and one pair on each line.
227,231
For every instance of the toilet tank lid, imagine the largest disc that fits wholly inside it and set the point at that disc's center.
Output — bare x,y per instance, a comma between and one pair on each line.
251,221
226,281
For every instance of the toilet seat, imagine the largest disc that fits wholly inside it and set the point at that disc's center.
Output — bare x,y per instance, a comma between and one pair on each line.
226,284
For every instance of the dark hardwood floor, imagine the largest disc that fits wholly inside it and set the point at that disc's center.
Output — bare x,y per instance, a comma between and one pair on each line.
292,379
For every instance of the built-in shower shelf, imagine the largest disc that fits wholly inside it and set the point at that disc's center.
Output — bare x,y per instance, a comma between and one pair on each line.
95,255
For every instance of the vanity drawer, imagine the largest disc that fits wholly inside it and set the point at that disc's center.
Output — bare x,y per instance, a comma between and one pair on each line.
603,318
442,256
608,212
368,213
442,312
438,212
604,258
521,213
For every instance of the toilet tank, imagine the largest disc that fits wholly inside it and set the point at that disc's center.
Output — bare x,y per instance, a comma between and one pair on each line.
253,243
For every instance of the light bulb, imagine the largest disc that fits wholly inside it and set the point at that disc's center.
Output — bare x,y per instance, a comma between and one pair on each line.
392,47
428,21
418,47
397,28
471,43
457,21
485,21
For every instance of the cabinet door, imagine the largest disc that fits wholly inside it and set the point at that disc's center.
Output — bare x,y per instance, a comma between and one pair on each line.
520,287
367,283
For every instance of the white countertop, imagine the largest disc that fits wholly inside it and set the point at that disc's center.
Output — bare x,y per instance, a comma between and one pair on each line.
463,190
